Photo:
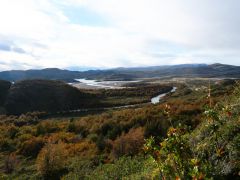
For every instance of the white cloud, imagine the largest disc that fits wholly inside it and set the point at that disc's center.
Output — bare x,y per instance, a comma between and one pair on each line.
139,32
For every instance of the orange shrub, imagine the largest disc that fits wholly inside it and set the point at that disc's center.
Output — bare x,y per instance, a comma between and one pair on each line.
128,144
83,149
62,136
52,160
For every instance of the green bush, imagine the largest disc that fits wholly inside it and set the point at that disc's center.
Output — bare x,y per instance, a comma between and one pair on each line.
6,144
110,130
175,157
125,168
77,128
156,128
80,169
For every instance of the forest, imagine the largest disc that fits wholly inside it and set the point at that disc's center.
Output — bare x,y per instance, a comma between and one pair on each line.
191,134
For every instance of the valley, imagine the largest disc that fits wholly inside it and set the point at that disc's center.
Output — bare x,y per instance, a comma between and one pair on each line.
91,129
119,90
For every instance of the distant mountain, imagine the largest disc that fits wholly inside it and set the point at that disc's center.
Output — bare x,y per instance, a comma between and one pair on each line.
49,74
156,68
184,70
82,68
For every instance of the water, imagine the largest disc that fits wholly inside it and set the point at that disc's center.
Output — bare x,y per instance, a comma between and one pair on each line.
157,99
104,84
93,83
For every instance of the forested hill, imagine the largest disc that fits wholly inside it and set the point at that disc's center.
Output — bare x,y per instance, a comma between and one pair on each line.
4,87
41,95
187,70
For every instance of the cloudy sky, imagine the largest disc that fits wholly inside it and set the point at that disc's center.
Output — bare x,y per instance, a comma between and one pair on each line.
113,33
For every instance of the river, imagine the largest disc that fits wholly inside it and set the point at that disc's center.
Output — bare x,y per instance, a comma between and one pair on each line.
116,85
94,84
154,100
157,99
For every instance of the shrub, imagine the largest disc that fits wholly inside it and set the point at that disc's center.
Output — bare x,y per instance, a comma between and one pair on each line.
47,127
71,127
80,169
92,137
217,139
82,149
101,143
26,130
63,137
156,128
175,157
12,131
10,163
125,168
32,147
78,129
40,130
22,138
111,130
51,161
128,144
6,144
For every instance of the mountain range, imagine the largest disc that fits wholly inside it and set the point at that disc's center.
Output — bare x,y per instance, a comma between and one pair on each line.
184,70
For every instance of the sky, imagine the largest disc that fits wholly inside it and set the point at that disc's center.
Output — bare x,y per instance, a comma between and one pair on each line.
72,34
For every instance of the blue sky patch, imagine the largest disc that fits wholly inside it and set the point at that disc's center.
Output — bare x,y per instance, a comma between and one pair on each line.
5,47
83,16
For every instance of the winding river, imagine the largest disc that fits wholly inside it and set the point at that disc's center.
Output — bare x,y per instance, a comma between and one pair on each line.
154,100
157,99
116,85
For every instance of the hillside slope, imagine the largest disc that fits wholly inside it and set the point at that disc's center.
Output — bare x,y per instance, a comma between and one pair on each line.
4,87
44,95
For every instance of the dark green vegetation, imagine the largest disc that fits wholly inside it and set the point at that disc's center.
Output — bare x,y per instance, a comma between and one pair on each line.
181,138
135,93
56,96
188,70
44,95
4,87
